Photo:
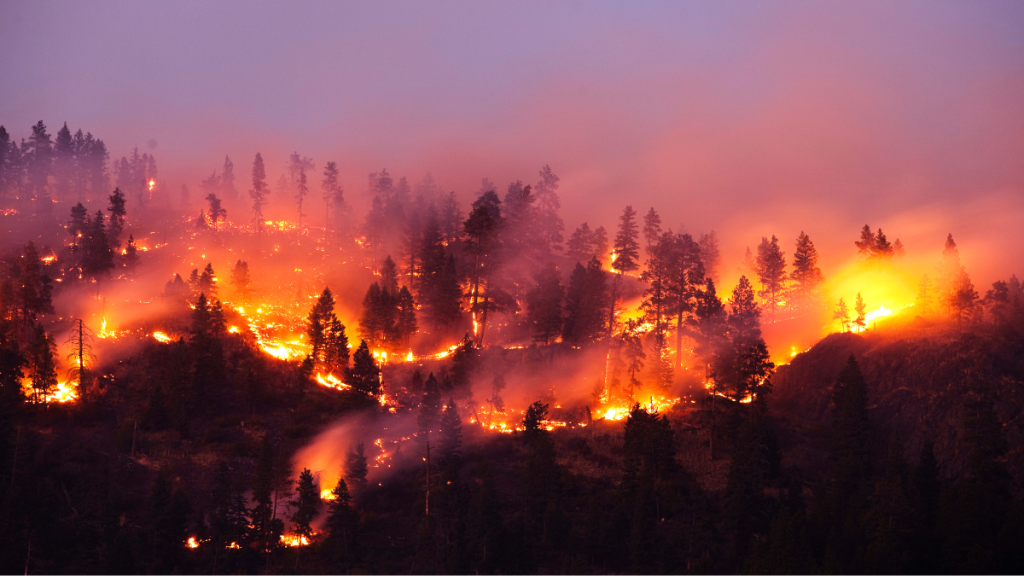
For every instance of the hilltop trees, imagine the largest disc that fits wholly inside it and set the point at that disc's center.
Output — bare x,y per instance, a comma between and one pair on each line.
875,248
388,319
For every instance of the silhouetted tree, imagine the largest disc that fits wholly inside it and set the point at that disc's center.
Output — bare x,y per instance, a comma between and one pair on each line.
585,302
259,192
364,375
217,212
355,466
771,272
806,276
117,217
544,304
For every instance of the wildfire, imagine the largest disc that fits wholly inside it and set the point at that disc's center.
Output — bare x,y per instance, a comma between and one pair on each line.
161,337
63,393
294,540
192,542
327,495
152,183
872,316
331,381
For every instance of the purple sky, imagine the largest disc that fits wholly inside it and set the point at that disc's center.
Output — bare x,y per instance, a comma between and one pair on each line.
753,118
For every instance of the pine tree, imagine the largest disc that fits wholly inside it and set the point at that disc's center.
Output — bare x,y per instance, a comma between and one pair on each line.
364,375
652,230
117,217
544,304
771,271
581,246
318,325
866,244
684,279
861,310
34,289
332,190
336,348
355,467
131,254
98,258
168,516
601,244
342,524
842,313
450,444
227,180
306,505
240,278
627,248
259,192
217,212
806,275
585,302
42,367
548,222
207,283
710,255
266,529
405,322
426,420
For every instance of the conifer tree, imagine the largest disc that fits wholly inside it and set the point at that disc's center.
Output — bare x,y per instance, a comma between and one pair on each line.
332,189
227,180
861,310
259,192
306,505
42,367
627,248
98,259
217,212
601,243
117,217
364,375
842,313
652,230
581,245
355,467
342,523
806,276
544,304
450,445
710,256
585,302
771,271
240,278
318,325
34,289
131,254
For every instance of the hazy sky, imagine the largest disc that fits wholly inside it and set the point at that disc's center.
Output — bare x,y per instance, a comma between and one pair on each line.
751,118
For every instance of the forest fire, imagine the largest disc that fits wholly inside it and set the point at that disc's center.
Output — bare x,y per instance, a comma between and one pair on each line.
596,299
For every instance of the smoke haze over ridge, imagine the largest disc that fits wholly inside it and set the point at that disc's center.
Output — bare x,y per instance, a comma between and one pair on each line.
749,119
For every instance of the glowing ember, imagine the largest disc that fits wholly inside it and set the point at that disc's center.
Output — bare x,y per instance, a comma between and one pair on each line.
192,542
161,337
